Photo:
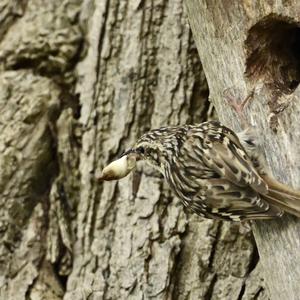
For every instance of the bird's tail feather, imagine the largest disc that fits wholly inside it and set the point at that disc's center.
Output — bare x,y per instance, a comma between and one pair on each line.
282,196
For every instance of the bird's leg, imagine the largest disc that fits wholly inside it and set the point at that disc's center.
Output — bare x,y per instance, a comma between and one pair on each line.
239,106
249,136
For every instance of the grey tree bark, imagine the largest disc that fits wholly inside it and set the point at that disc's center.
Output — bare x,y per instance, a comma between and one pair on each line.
256,45
79,82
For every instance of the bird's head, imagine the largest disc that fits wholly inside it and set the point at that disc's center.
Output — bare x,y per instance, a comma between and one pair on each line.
150,151
158,146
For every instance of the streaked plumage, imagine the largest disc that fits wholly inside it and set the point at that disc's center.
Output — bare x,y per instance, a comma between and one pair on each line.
207,167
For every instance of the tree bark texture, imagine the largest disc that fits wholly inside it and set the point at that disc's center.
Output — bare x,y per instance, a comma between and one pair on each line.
248,45
79,82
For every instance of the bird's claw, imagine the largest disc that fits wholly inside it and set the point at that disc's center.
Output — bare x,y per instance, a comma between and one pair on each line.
236,103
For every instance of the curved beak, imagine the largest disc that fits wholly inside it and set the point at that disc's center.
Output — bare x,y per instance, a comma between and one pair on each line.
128,152
132,151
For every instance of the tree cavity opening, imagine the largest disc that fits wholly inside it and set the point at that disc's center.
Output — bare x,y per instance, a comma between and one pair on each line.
273,53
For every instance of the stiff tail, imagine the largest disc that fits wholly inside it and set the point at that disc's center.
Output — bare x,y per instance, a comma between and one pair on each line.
282,196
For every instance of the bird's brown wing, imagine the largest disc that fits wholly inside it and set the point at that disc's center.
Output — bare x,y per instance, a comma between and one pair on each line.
234,191
228,159
224,199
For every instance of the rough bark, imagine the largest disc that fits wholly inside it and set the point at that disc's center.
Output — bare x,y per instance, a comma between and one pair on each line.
79,82
248,45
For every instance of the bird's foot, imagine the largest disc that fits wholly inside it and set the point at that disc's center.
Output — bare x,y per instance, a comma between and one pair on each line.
237,104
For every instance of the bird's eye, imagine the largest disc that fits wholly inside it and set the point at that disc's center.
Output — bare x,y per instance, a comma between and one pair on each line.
141,150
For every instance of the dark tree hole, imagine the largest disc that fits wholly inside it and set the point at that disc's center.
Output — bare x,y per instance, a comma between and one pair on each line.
273,53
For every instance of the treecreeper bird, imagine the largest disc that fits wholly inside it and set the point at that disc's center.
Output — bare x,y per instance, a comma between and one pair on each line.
213,171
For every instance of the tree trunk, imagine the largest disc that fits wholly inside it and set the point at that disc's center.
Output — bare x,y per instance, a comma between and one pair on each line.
248,45
79,82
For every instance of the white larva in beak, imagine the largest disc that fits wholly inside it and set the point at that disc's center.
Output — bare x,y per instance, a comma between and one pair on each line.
119,168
